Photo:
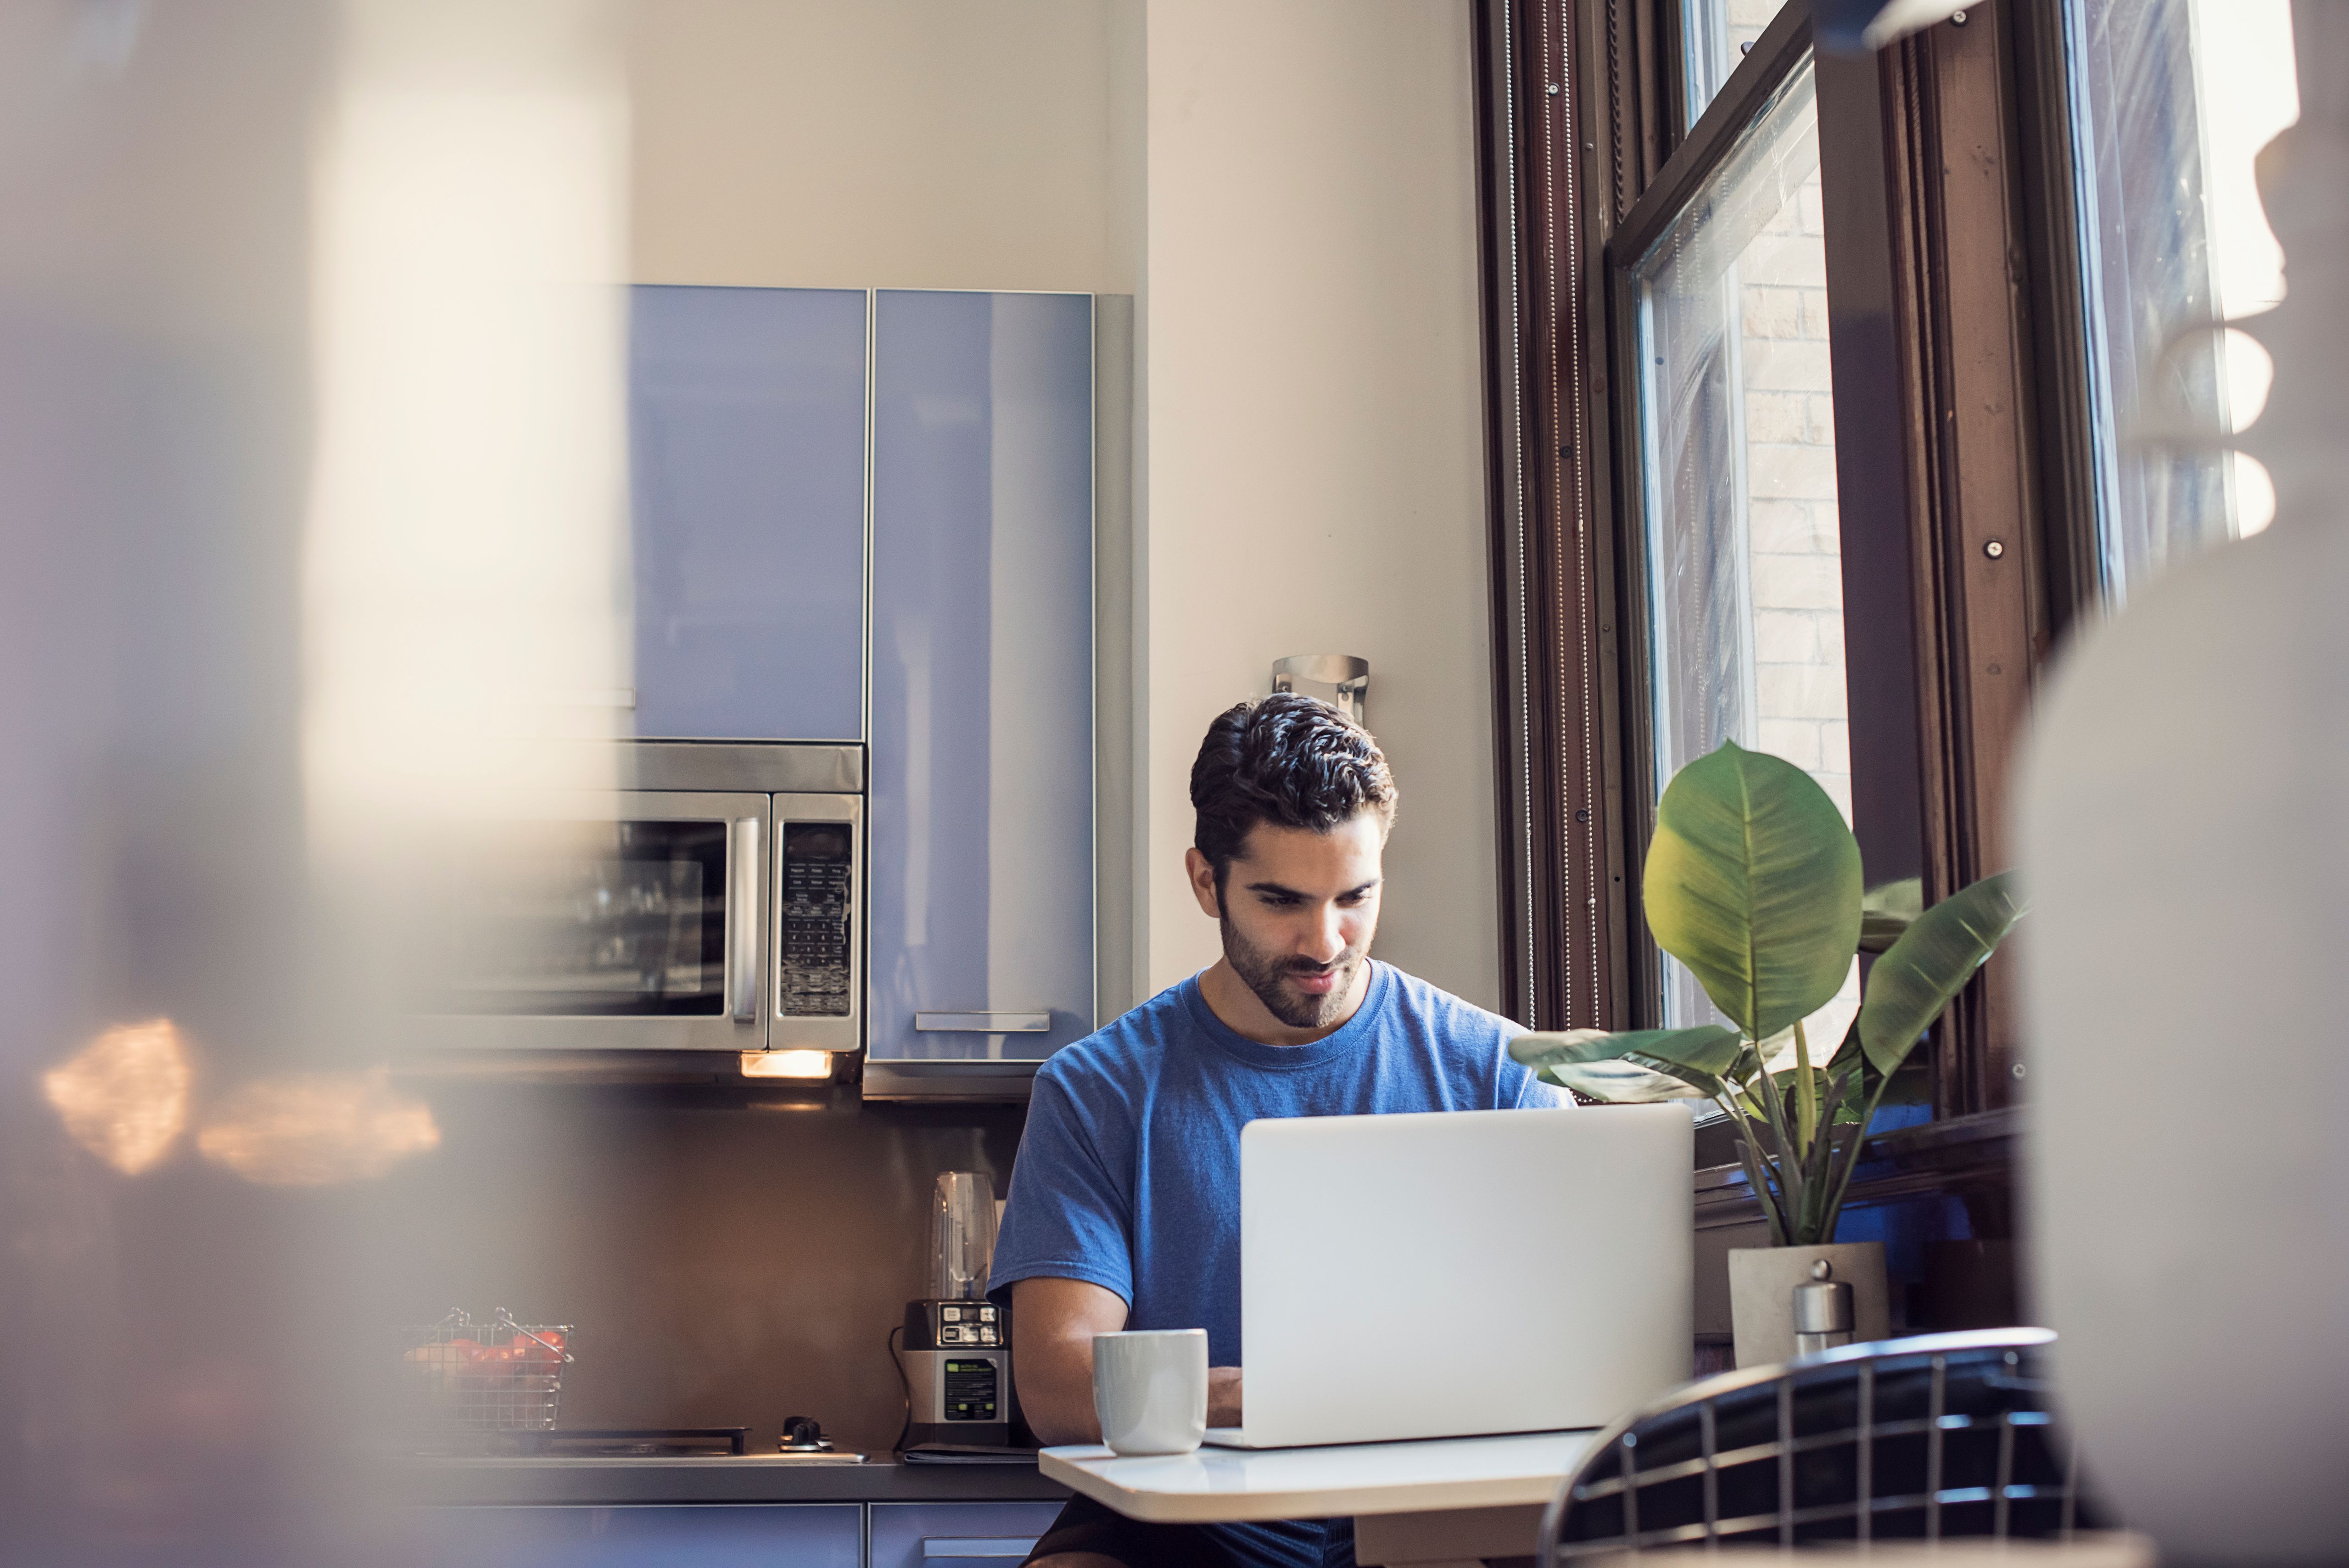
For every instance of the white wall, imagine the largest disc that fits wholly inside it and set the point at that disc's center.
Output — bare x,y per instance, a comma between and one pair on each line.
886,143
1308,470
1315,428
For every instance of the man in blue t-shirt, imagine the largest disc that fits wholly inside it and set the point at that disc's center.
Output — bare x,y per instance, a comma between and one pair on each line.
1124,1209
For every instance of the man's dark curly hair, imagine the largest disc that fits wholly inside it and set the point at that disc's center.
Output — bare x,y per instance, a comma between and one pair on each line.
1292,761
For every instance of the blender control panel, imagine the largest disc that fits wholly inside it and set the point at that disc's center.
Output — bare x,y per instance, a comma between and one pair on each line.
971,1325
818,932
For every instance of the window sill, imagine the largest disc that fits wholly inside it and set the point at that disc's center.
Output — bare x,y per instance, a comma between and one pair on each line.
1959,1155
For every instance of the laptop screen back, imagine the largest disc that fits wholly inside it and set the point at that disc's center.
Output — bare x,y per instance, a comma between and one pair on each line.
1442,1274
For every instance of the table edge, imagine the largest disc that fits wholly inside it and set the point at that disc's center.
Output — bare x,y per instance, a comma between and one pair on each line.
1240,1508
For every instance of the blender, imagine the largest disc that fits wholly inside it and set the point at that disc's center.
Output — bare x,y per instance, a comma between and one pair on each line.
957,1345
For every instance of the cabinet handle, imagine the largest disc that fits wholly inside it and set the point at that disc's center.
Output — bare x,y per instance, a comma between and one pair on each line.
742,914
983,1022
1010,1548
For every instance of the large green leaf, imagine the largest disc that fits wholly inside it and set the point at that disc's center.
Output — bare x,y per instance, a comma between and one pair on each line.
1930,963
1888,910
1625,1082
1753,882
1709,1049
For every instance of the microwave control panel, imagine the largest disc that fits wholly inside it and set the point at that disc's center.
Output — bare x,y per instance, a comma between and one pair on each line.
819,876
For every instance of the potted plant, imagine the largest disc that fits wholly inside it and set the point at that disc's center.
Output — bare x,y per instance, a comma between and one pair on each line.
1754,881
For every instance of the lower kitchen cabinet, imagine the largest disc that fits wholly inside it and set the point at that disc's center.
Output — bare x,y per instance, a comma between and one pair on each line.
956,1534
699,1535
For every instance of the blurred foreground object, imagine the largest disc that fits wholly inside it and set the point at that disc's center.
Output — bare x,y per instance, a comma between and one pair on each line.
2182,841
312,487
2090,1548
1927,1439
124,1097
1847,26
315,1129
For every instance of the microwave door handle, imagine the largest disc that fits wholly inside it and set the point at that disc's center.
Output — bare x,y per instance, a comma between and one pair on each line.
742,917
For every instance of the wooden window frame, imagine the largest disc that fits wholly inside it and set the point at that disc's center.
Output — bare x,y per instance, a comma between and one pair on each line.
1945,170
1555,679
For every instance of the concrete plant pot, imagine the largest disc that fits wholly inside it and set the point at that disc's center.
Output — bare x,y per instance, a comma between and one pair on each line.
1761,1282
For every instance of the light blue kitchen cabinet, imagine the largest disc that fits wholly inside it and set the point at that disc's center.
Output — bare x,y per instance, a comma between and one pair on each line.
699,1535
956,1534
981,788
747,464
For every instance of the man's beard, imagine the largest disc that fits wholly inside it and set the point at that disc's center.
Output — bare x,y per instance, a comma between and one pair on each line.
1265,973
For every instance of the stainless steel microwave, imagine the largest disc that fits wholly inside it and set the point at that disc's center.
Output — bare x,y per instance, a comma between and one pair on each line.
715,902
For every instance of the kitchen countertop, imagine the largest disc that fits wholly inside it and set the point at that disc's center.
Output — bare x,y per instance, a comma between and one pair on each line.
746,1478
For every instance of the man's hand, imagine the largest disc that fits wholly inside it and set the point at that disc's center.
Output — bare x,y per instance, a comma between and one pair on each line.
1052,1326
1223,1395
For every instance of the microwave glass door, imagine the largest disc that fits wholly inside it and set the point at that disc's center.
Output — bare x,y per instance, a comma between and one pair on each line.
636,924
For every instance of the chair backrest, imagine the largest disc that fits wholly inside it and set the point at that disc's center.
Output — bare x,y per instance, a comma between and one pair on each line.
1939,1435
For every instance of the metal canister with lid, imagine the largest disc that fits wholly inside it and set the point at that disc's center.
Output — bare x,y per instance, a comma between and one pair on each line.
1823,1311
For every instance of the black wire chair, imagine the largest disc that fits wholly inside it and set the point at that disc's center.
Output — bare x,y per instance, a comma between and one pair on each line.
1941,1436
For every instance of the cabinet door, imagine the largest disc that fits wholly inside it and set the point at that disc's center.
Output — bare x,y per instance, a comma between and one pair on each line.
703,1535
981,873
956,1534
747,440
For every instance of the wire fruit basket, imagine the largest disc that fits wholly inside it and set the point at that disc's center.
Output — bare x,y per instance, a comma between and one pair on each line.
465,1374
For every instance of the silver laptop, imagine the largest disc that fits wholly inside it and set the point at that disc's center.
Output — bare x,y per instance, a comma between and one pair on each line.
1438,1275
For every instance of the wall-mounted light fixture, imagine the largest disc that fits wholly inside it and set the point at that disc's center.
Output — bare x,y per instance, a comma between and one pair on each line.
1339,679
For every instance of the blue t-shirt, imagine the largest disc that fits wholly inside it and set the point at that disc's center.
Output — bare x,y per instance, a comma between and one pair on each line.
1129,1173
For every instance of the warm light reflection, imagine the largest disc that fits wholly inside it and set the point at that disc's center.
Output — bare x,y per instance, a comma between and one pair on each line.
316,1129
787,1064
125,1096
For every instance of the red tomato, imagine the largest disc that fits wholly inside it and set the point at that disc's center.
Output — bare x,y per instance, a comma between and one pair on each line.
491,1365
544,1349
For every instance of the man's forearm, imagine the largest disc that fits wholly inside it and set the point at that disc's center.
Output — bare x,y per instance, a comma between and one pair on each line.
1052,1326
1064,1418
1056,1392
1053,1322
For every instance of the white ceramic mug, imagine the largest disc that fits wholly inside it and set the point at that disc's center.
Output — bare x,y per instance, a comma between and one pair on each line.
1150,1389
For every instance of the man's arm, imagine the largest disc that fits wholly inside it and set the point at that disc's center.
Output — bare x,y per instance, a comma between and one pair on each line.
1052,1326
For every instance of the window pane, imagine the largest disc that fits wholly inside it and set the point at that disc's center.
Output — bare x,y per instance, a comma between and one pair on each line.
2170,101
1744,573
1714,35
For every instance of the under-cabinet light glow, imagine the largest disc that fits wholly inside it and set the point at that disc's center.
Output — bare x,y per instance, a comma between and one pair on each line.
787,1064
